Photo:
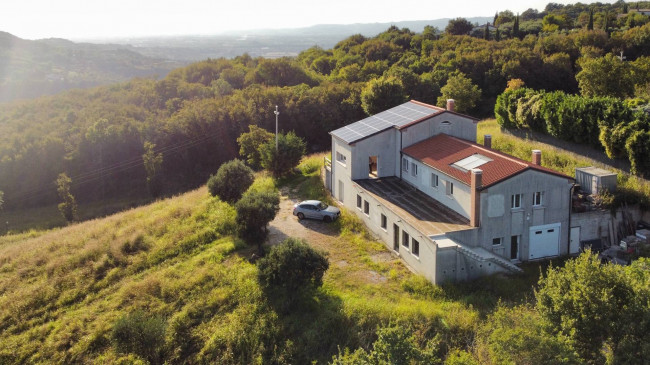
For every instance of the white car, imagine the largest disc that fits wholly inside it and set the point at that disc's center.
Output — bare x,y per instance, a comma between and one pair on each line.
317,210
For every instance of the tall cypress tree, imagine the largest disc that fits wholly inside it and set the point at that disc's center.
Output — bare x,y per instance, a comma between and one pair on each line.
590,26
486,35
515,27
497,35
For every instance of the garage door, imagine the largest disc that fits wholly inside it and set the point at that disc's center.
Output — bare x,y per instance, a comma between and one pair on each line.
544,241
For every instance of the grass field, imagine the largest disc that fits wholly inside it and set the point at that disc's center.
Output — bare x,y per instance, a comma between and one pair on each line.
176,261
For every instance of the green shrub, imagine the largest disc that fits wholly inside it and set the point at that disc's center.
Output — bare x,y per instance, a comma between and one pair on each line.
292,266
140,334
254,212
231,181
286,157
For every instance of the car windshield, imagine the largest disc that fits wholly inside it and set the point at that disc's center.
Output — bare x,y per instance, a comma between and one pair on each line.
322,206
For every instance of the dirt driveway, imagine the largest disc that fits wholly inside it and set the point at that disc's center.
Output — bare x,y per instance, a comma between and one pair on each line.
345,258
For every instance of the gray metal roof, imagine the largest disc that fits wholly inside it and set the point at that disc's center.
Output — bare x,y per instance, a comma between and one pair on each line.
398,117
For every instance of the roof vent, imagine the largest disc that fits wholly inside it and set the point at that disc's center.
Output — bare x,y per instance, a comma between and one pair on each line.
451,105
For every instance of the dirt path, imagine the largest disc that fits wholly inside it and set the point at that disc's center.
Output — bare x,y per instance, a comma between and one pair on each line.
344,257
317,233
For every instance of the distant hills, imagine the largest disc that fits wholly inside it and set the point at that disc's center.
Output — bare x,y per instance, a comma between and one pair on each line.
33,68
268,43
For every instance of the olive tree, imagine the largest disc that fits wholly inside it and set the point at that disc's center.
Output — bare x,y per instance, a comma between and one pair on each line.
254,212
286,157
231,181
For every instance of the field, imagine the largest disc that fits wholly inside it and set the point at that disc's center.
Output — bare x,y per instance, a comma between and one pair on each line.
176,262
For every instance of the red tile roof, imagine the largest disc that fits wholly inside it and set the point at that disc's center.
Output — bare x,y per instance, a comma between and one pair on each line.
441,151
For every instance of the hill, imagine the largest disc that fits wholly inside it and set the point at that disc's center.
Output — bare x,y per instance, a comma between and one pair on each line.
267,43
177,262
33,68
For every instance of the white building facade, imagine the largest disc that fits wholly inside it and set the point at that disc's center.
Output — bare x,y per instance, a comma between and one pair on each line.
450,208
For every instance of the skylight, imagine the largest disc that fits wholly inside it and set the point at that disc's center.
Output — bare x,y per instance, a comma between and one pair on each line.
471,162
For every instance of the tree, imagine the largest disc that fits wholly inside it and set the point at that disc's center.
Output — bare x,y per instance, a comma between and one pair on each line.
638,151
605,76
254,212
68,206
497,35
231,181
461,89
292,267
152,164
395,345
286,157
590,25
515,28
250,142
486,33
381,94
599,307
459,26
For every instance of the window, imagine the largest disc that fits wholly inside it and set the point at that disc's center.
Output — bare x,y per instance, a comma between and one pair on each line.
341,158
405,239
537,198
450,188
405,165
358,201
434,181
496,241
366,207
515,201
415,248
384,222
414,169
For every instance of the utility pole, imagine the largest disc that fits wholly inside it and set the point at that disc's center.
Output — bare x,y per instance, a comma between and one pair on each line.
276,112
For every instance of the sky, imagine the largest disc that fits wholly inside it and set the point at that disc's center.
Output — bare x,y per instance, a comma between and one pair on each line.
89,19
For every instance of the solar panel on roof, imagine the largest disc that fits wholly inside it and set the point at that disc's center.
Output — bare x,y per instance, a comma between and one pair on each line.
398,116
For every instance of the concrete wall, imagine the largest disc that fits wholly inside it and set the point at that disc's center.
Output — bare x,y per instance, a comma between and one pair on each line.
593,225
341,172
383,145
498,220
459,201
455,266
458,126
425,263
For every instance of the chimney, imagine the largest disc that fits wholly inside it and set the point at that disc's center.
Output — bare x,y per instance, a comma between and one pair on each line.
537,157
487,141
475,208
451,105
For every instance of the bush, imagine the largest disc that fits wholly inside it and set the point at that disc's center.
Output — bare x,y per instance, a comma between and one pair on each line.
140,334
286,157
231,181
292,266
254,212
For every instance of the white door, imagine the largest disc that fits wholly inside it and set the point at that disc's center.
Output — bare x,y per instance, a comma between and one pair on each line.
340,195
544,241
574,243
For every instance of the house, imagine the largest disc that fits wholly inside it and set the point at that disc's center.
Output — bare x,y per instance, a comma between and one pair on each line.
450,208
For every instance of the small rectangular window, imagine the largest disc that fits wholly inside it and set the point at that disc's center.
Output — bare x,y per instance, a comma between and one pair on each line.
366,207
384,222
415,248
515,201
414,169
434,180
358,201
405,164
496,241
341,158
537,198
405,239
450,188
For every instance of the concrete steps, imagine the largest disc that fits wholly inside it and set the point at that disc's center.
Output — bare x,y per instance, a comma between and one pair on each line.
482,255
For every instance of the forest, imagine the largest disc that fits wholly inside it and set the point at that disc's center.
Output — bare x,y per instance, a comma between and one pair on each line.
194,115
